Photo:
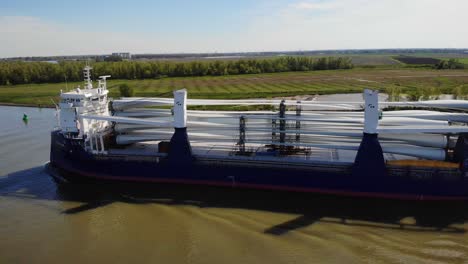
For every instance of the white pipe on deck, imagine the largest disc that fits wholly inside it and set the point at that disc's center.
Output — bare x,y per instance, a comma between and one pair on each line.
427,140
437,103
424,129
393,121
128,120
129,139
420,152
126,104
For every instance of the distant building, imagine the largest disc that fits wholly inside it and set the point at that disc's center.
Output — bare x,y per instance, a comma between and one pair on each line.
123,55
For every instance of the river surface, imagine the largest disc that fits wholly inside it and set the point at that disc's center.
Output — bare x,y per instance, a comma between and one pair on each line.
43,223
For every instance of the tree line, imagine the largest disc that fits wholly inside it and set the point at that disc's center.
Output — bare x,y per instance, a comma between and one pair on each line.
451,64
19,72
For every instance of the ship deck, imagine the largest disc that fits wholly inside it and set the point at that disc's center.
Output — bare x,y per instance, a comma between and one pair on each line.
255,153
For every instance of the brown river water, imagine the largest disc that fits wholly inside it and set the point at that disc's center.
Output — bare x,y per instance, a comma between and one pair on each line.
125,223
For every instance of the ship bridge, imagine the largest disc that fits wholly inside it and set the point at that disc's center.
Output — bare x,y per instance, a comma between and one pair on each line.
87,100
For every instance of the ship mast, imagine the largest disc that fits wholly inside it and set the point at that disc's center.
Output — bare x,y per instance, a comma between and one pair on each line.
88,84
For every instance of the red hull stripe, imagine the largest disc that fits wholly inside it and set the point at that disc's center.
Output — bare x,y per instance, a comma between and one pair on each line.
280,188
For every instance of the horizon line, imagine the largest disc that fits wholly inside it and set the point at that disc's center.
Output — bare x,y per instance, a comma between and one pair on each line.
465,50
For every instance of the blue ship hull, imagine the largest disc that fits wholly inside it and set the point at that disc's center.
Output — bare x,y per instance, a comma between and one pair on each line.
361,179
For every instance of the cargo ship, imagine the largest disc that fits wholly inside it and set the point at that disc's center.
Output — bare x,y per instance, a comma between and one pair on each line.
417,151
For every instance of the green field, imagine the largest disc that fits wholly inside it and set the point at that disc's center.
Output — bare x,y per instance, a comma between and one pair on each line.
463,60
399,80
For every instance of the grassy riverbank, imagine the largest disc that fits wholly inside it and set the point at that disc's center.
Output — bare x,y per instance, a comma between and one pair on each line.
418,82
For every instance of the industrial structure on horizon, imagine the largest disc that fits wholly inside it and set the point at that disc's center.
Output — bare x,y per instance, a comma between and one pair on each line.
123,55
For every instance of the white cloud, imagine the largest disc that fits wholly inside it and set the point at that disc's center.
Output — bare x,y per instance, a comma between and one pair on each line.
365,24
316,5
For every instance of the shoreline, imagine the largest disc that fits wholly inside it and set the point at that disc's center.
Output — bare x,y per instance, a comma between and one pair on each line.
25,105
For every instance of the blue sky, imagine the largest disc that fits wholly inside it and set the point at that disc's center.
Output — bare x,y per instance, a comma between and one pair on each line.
139,15
51,27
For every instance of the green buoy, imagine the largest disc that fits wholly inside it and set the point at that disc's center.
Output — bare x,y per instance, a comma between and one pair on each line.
25,117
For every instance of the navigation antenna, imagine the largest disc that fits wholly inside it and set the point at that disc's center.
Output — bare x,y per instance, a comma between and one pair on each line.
87,77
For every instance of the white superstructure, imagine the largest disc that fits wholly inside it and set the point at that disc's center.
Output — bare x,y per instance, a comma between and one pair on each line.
85,101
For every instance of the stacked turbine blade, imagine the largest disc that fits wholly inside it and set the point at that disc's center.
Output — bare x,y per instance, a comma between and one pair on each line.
337,125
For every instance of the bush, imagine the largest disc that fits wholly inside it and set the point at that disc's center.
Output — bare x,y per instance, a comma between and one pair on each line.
125,90
451,64
394,93
414,95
